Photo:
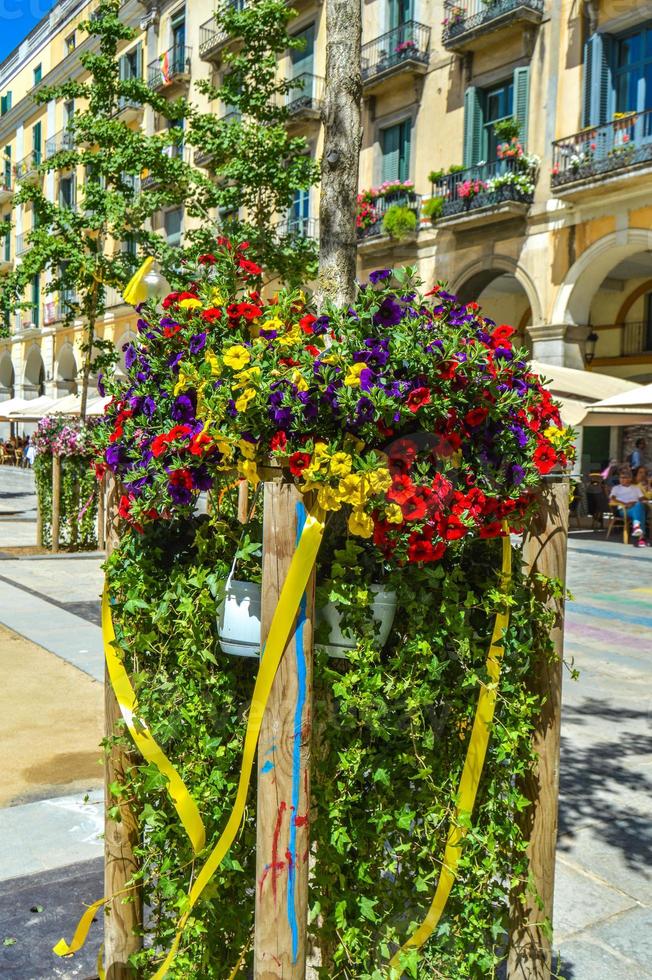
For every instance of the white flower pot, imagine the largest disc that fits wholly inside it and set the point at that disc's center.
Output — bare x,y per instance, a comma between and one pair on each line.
238,620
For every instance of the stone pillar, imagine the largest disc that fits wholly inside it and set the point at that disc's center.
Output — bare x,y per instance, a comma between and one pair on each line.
560,344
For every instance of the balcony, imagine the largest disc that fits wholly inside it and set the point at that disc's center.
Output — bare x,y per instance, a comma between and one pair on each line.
128,110
602,157
299,227
62,142
486,193
623,343
405,50
55,311
21,244
6,185
213,38
171,70
27,168
374,230
304,101
150,182
6,261
467,23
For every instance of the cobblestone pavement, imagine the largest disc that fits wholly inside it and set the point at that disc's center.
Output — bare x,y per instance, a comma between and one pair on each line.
603,907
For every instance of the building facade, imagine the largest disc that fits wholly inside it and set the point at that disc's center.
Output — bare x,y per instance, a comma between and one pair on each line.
513,139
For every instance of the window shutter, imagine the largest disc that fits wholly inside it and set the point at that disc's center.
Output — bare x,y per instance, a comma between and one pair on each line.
391,150
139,61
473,118
36,138
597,80
522,101
405,135
122,65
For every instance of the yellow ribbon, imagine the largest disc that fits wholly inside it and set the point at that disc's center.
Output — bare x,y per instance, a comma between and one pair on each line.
285,613
81,932
148,748
471,773
136,290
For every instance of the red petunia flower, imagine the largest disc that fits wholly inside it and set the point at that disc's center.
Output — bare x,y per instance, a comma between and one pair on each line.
171,331
170,300
401,490
306,323
452,528
312,350
476,416
422,550
201,444
212,315
418,398
298,462
448,369
124,507
249,268
492,530
500,335
188,295
278,441
181,478
207,259
545,457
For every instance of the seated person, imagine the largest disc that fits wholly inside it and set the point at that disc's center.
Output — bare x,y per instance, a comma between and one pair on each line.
629,501
642,480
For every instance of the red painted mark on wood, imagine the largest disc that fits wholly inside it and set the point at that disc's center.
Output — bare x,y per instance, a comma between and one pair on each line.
276,869
277,833
301,821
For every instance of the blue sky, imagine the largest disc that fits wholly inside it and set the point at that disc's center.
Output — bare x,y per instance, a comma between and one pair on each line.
17,18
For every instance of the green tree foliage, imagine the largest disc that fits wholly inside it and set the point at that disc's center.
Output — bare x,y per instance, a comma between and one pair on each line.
80,246
257,162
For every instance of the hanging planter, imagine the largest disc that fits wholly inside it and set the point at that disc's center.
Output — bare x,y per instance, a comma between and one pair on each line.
238,620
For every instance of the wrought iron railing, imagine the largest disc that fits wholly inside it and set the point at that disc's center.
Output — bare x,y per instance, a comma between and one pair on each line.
474,187
126,104
300,226
56,310
211,35
21,244
380,207
175,151
28,166
601,150
470,15
633,338
172,64
6,182
306,95
63,140
405,45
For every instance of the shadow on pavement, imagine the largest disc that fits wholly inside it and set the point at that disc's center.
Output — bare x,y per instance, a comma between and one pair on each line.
597,782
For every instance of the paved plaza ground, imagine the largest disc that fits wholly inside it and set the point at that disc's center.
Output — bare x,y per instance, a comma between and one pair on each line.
50,720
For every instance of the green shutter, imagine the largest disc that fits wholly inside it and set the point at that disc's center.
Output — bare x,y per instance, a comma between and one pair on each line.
391,139
473,125
36,139
122,66
598,83
139,61
522,101
405,135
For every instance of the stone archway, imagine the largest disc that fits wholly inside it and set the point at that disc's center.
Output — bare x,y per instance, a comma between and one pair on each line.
7,377
34,374
478,276
66,371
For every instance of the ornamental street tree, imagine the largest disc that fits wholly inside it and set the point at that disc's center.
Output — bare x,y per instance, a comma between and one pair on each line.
257,163
89,241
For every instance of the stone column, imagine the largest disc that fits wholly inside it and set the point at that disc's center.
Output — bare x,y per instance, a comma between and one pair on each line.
561,344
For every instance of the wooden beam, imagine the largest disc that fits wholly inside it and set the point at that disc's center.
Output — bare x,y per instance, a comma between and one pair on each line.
283,840
530,954
124,915
101,514
56,501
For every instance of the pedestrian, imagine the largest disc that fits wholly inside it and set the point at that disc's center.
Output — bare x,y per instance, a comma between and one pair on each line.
628,500
642,480
637,457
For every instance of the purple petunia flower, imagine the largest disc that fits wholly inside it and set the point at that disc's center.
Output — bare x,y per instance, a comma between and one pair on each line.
130,355
379,275
183,409
174,360
100,385
197,343
201,478
389,313
321,325
520,434
149,406
517,474
115,457
179,495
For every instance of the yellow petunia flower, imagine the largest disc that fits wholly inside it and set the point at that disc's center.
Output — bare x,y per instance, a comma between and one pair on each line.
350,489
242,402
394,514
217,299
250,376
352,377
299,380
184,381
360,524
190,304
340,464
377,481
212,359
249,470
289,339
247,449
236,357
328,499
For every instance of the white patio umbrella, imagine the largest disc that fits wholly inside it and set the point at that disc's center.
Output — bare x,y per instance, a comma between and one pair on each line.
577,391
11,405
32,409
627,408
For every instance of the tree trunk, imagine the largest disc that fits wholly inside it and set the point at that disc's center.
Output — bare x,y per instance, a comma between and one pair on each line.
342,141
530,953
88,359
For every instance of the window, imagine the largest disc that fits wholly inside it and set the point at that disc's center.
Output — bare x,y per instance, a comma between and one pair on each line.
68,112
129,245
632,69
172,224
38,74
395,145
5,103
71,43
483,108
7,167
178,36
303,58
36,299
7,238
400,12
131,64
299,214
67,193
36,142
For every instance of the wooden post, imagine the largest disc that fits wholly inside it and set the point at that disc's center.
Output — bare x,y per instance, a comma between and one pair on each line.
243,501
530,954
39,522
56,501
101,514
124,915
283,840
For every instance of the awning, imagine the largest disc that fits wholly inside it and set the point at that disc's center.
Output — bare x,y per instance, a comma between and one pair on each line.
32,409
71,405
628,408
589,386
11,405
572,412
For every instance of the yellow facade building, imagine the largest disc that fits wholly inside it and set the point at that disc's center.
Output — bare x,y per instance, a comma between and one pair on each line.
550,231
